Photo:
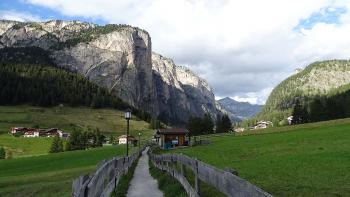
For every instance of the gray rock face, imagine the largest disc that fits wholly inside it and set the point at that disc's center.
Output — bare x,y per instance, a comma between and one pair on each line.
180,92
121,60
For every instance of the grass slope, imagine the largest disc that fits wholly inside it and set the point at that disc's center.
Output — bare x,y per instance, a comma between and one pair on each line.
305,160
49,175
109,121
20,146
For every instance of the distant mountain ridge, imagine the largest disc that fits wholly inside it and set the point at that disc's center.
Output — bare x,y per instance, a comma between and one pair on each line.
239,111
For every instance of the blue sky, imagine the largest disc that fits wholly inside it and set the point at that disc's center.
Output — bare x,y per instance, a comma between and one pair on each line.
43,13
243,48
328,15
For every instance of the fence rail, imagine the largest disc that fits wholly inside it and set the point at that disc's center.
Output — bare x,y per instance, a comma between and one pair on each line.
224,181
103,182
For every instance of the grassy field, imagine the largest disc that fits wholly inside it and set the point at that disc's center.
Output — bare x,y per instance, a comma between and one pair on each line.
303,160
49,175
109,121
24,147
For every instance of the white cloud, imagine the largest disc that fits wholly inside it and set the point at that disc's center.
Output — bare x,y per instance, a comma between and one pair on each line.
18,16
243,48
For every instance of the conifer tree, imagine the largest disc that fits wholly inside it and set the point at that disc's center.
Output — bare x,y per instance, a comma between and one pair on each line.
2,153
57,145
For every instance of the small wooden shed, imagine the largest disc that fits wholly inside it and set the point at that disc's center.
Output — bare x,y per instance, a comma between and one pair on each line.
171,138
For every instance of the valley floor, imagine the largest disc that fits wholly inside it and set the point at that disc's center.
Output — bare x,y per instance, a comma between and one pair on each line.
303,160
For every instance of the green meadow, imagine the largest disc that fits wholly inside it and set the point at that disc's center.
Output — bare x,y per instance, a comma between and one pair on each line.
52,174
303,160
108,121
66,118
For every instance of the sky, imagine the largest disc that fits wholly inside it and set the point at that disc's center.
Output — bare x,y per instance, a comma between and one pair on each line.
243,48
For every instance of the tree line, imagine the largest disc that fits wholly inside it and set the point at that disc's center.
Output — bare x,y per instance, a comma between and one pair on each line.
323,108
205,125
78,140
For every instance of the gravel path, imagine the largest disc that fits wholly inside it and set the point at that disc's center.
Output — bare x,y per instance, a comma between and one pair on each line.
143,184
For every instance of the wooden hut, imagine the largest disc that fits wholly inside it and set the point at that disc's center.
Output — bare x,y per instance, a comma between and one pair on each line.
171,138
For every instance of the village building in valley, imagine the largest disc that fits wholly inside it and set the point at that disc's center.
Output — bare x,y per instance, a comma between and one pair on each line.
131,140
33,132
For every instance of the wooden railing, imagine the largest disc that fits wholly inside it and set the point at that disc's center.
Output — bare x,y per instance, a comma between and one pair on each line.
104,181
224,181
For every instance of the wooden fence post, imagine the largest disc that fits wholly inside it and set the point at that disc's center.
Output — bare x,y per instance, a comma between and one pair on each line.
197,181
172,164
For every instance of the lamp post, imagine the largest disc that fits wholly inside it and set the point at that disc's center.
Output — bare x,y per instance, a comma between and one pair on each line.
127,117
140,140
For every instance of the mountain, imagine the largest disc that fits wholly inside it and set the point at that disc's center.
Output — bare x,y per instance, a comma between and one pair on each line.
319,80
239,110
120,59
27,76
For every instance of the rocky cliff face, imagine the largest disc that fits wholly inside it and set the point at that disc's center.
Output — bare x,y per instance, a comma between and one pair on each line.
120,58
181,90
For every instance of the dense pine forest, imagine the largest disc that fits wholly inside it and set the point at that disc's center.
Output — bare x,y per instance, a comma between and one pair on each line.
28,77
321,108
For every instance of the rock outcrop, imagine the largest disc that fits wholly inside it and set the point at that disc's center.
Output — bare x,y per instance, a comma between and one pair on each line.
120,58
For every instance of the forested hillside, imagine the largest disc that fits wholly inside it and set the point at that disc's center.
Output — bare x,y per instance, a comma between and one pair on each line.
322,89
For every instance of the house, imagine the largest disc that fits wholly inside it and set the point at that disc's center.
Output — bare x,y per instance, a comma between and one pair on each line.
18,130
290,119
62,134
239,129
262,124
171,138
32,133
131,139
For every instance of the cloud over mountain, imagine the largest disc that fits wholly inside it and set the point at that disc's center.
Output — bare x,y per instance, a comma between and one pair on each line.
243,48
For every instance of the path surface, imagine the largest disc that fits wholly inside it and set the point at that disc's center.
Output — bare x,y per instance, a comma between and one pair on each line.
143,184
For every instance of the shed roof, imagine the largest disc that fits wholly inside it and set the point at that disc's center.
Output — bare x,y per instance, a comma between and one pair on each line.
172,131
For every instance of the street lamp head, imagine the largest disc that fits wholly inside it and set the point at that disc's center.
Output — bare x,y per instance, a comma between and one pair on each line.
128,114
140,133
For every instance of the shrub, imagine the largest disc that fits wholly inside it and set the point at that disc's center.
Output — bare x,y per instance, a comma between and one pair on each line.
2,153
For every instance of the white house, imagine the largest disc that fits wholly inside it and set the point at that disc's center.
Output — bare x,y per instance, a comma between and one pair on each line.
31,134
262,124
122,139
290,119
239,129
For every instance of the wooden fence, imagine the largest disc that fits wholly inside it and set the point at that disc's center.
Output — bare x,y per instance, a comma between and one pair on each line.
103,182
224,181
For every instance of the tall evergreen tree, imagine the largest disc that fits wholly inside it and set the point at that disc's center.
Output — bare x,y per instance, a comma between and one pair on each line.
2,153
207,124
224,125
74,141
194,125
300,114
57,145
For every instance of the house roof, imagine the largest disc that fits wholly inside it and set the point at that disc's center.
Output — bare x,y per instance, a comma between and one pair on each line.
172,131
